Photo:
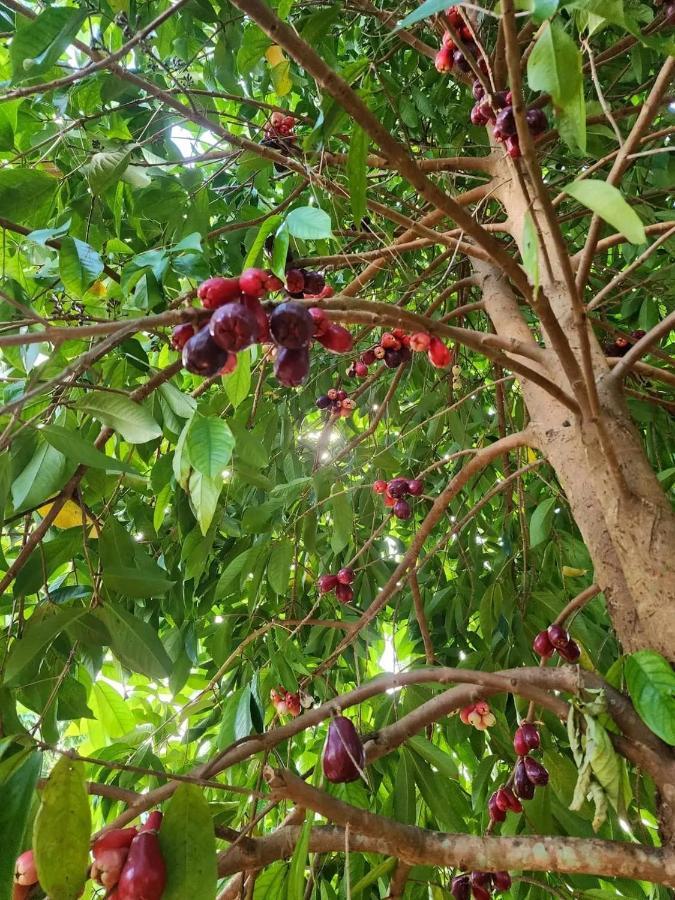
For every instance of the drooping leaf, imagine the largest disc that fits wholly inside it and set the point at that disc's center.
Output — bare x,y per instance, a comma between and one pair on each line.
238,383
36,636
309,223
72,446
130,419
651,685
204,494
268,227
188,845
357,171
296,875
210,443
541,521
134,642
16,794
38,44
79,265
607,202
104,169
279,566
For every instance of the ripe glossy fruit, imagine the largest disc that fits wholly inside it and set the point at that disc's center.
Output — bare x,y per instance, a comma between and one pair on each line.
542,645
402,509
444,60
181,335
253,282
292,325
202,356
465,33
321,320
293,705
415,487
326,583
343,754
419,342
481,879
295,281
501,881
25,872
496,813
439,355
558,636
342,395
526,738
570,652
507,800
477,90
536,120
344,593
323,402
345,575
336,339
273,283
292,366
360,369
454,17
398,487
389,501
389,341
233,327
461,887
522,786
478,115
368,357
513,147
505,123
379,486
392,358
537,773
255,307
480,893
314,283
230,364
215,291
460,61
144,874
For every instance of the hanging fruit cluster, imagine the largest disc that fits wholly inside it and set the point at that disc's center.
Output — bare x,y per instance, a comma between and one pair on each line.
340,583
479,715
479,885
343,755
556,638
450,57
394,349
129,863
338,402
498,110
622,345
239,320
395,491
289,702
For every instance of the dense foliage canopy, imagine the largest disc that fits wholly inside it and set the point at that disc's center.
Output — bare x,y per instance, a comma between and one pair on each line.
165,533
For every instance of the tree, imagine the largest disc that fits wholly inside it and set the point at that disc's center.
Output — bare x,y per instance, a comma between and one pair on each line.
456,534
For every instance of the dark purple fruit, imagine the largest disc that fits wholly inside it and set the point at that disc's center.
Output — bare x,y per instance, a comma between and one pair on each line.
392,358
402,509
233,327
291,325
415,487
526,738
558,636
314,282
461,887
505,122
459,60
507,800
326,583
345,575
522,786
542,646
481,879
536,120
398,488
343,754
480,893
501,881
295,281
201,354
323,402
477,90
536,773
292,366
344,593
570,652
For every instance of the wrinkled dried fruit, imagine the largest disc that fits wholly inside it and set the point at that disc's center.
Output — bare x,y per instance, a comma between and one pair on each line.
343,754
292,325
216,291
291,367
144,873
233,327
202,356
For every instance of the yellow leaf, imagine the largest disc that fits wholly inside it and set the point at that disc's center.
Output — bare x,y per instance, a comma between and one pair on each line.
274,55
571,572
70,516
531,455
98,289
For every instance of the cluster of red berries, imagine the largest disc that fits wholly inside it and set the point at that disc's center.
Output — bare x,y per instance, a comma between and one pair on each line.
288,702
280,125
394,349
239,319
450,57
395,491
498,110
479,715
528,774
305,283
337,401
340,583
622,345
479,885
556,638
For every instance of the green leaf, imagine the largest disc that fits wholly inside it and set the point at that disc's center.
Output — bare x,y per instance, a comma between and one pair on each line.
651,685
554,66
296,874
62,863
183,405
210,444
79,265
530,250
603,759
253,46
281,78
373,876
36,636
426,9
571,121
282,240
130,419
441,761
254,255
134,642
16,795
43,476
607,202
357,172
80,451
238,383
341,509
279,566
541,521
204,494
38,43
309,223
105,169
188,846
26,194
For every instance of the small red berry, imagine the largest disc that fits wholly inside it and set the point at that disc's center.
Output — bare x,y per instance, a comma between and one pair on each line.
558,636
345,575
344,593
477,90
542,645
336,339
501,880
461,887
327,583
444,60
415,487
25,871
537,773
526,738
368,357
215,291
233,327
181,335
253,282
389,501
389,341
321,320
295,281
361,369
570,652
342,395
419,342
478,115
273,283
379,486
293,705
397,488
402,509
497,814
513,147
440,356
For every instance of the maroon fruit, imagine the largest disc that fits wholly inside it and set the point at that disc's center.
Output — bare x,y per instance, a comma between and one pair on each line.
253,282
398,487
542,645
513,147
201,354
323,402
505,122
526,738
181,335
343,755
501,881
326,583
419,342
110,853
392,358
461,887
346,575
144,874
379,486
570,652
537,773
415,487
336,339
230,364
522,786
508,800
402,509
444,59
291,366
536,120
479,115
360,369
497,814
321,320
477,90
460,61
255,307
342,395
292,325
368,357
481,879
480,893
558,636
295,281
314,283
344,593
216,291
233,327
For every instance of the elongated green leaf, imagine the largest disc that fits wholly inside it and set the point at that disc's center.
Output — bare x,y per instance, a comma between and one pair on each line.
204,494
268,227
309,223
530,249
189,846
296,874
541,521
16,794
43,476
372,877
651,685
282,240
36,636
607,202
554,65
62,864
134,642
210,444
80,451
38,43
279,566
426,9
341,508
130,419
238,383
79,265
357,171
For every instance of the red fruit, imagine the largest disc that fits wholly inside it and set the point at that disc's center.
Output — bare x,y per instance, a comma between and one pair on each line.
522,786
496,813
344,593
293,705
201,354
477,90
537,773
21,891
389,341
570,652
402,509
291,366
153,822
536,120
510,800
513,147
25,872
255,307
343,755
466,33
392,358
181,335
542,645
670,13
295,281
342,395
501,881
233,327
415,487
216,291
144,873
292,325
466,712
289,121
273,283
379,486
277,118
253,282
444,60
336,339
454,17
114,839
327,292
558,637
110,853
368,357
332,394
480,893
346,575
481,879
389,501
230,364
321,320
398,487
526,738
419,341
439,355
505,122
478,115
314,283
459,60
326,583
379,352
361,369
461,887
